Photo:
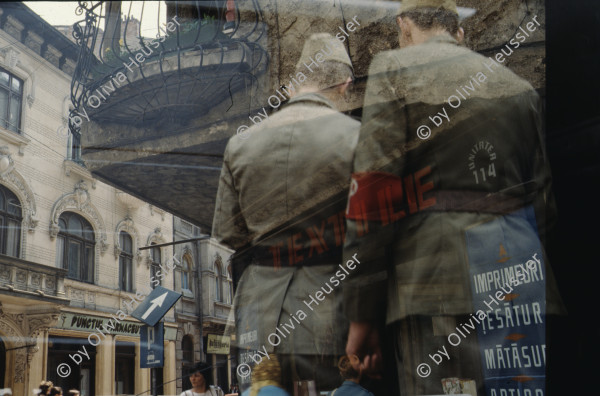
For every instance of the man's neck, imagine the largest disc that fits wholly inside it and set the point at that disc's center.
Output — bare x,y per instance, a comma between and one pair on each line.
421,36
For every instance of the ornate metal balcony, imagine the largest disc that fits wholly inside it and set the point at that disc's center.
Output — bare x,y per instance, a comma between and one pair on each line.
197,54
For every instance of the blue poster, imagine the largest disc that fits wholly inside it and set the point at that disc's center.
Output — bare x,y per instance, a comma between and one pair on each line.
508,279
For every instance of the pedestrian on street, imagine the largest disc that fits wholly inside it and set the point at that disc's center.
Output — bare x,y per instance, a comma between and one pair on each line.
201,382
44,388
351,385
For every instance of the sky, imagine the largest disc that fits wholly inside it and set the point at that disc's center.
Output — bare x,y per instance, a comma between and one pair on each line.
63,13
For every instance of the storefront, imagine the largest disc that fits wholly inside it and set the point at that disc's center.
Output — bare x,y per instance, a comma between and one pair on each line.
100,355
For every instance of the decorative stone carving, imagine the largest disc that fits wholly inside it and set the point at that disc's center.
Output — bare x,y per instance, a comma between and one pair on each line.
77,294
11,57
156,237
36,280
20,332
34,42
127,225
79,201
13,27
52,55
13,180
21,276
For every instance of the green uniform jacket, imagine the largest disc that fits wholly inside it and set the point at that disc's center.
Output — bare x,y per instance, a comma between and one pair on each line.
279,175
414,194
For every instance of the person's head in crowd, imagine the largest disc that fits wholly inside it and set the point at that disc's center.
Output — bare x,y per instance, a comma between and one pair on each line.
45,387
56,391
330,77
73,392
347,370
266,373
200,377
419,20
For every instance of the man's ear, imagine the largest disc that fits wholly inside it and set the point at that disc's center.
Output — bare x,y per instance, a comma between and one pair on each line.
343,87
460,35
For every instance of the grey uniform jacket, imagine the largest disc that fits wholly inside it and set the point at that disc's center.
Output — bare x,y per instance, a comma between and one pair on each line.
414,196
290,172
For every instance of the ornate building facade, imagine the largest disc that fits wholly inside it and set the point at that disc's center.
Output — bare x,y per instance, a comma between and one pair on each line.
71,270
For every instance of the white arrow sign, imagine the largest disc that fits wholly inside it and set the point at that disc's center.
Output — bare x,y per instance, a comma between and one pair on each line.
157,302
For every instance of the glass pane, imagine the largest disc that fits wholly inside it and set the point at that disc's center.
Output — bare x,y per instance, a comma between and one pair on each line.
14,207
60,250
15,113
74,226
89,268
184,280
16,85
3,108
74,259
62,224
126,273
13,236
4,77
2,235
155,255
88,233
125,241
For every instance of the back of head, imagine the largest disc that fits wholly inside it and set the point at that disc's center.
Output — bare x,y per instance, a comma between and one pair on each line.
324,61
55,390
346,369
45,387
431,14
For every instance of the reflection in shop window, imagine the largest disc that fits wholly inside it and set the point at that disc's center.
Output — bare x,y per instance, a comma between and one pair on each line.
155,266
75,245
124,368
11,95
125,262
10,223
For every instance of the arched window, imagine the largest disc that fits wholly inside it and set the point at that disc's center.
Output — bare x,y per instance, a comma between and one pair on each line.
75,247
10,223
125,262
218,287
154,266
186,268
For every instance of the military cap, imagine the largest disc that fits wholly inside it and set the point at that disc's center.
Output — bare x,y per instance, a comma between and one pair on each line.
408,5
328,45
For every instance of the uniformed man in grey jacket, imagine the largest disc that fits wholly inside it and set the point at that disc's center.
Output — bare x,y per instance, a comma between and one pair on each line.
282,197
450,197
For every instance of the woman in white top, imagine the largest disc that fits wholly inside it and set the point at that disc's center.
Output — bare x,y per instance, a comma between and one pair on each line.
201,382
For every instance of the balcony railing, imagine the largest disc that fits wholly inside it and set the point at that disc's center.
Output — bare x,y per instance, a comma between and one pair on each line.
27,279
130,74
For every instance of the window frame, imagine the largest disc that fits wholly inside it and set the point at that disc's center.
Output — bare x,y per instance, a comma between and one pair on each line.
5,216
6,123
123,257
155,265
86,246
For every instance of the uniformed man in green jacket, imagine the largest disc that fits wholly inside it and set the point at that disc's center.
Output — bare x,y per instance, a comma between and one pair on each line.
449,200
282,196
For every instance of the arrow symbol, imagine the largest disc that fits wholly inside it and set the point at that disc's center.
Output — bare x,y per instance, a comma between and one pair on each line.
157,302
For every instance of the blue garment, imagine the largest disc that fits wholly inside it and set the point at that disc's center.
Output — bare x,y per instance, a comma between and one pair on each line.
268,390
350,388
